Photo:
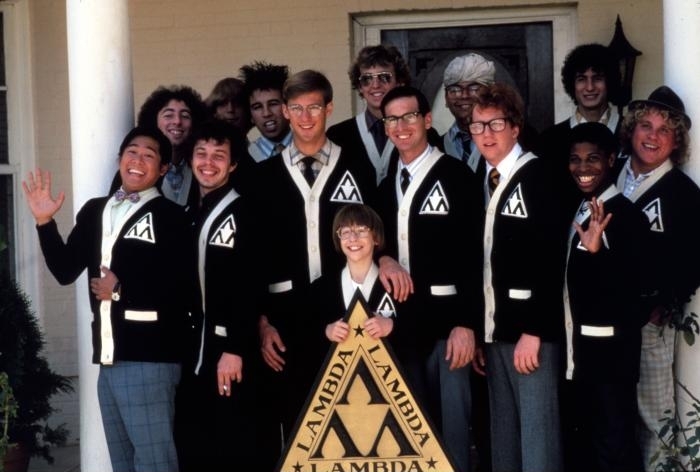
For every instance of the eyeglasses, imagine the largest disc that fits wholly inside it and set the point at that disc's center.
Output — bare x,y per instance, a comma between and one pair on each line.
298,110
357,232
408,118
367,79
496,125
454,91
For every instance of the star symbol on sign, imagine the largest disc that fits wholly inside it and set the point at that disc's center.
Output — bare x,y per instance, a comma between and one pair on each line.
359,330
432,463
297,467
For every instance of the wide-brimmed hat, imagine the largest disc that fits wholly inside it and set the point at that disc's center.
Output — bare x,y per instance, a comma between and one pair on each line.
665,99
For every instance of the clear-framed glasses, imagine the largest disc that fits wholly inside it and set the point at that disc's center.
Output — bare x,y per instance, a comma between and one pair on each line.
456,90
297,110
367,79
496,125
357,232
407,118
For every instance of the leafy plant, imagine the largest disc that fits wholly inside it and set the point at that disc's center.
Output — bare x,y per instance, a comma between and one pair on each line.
32,380
8,411
680,440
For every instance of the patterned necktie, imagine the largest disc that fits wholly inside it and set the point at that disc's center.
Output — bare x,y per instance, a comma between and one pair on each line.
466,145
120,195
279,147
309,169
175,178
405,179
494,178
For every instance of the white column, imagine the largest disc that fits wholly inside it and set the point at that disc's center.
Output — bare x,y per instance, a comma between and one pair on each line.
681,71
101,113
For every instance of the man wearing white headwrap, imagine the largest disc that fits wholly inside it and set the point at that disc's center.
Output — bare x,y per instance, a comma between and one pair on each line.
464,77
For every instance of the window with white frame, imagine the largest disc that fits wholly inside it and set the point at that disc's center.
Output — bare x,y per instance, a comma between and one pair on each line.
7,177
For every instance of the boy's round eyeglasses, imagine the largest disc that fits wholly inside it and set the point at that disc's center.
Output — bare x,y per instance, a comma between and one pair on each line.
358,232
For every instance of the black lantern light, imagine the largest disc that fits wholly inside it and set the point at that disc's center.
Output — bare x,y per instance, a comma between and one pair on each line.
626,55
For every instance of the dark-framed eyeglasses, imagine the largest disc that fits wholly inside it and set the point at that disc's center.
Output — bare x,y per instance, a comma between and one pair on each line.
409,118
313,110
496,125
358,232
456,90
367,78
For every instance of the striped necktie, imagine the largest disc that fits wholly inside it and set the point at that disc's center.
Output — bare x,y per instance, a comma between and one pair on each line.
494,178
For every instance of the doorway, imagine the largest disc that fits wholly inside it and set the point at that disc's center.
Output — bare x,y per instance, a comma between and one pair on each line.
527,45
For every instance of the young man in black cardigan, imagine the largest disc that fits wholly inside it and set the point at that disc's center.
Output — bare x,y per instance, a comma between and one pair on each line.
138,295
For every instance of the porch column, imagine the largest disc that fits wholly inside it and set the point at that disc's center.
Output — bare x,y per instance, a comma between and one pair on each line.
681,70
101,113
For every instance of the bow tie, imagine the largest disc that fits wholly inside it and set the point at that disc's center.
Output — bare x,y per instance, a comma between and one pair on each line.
121,195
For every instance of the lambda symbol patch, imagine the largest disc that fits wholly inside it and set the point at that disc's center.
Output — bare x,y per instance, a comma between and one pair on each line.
347,191
361,415
224,235
142,229
386,307
653,212
515,205
436,202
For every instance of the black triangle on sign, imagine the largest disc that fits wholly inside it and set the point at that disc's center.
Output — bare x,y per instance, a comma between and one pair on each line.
360,414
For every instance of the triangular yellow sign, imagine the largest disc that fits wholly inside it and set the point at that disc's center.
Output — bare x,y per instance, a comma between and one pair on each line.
361,416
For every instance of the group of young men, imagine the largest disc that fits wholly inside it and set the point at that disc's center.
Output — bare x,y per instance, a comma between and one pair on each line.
202,326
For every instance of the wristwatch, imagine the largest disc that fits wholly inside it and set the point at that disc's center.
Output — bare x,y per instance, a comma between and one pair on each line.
116,292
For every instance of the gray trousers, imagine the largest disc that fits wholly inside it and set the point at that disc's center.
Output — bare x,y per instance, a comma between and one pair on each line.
525,430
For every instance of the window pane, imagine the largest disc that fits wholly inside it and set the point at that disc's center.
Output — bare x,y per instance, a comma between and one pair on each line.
7,229
4,158
2,50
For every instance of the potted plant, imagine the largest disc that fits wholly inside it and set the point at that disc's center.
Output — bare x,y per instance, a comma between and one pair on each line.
29,376
8,411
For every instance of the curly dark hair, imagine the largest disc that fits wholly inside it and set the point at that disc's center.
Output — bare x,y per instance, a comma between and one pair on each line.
148,114
380,55
262,75
592,56
221,131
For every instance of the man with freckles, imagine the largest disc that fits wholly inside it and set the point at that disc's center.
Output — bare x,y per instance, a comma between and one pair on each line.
138,290
522,268
430,205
